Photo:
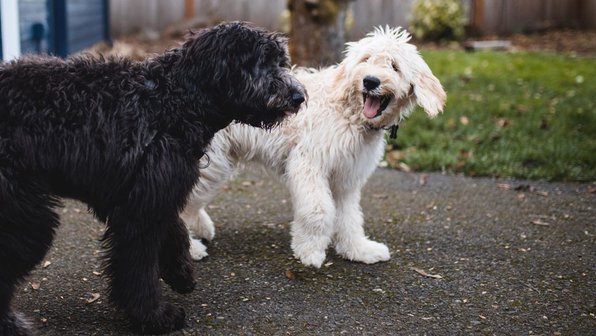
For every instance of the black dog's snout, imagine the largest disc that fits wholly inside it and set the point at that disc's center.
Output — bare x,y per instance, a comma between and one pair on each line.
297,98
371,82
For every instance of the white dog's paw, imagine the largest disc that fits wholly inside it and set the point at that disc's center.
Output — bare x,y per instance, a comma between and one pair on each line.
312,258
364,250
198,250
205,228
310,251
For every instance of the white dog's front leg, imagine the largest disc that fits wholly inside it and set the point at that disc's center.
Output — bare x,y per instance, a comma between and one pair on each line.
350,240
314,212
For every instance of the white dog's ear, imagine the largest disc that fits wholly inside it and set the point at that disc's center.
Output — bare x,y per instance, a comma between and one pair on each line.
429,93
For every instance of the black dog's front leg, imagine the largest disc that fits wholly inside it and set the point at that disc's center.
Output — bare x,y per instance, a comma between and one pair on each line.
176,267
133,255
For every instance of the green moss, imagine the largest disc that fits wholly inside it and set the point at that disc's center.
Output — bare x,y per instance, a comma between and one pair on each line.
328,10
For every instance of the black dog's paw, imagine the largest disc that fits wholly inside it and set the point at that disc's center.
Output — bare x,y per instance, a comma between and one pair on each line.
165,319
13,324
181,277
181,281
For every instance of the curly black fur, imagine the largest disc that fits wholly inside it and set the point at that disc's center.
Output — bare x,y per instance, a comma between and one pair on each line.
125,138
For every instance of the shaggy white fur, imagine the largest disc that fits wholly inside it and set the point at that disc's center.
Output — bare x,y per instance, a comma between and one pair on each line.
326,153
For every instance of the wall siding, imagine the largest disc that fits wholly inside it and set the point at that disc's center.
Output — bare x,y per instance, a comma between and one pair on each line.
31,12
85,23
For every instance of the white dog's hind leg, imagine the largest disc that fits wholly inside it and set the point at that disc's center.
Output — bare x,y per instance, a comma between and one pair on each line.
198,250
350,240
205,228
314,212
213,177
200,225
197,220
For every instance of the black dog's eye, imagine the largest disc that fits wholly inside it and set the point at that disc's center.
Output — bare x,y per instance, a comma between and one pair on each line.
284,63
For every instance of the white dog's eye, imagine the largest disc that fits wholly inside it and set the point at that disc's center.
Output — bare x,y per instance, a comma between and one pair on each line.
395,68
365,59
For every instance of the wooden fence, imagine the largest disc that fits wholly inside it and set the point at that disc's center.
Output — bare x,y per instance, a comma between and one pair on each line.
488,16
507,16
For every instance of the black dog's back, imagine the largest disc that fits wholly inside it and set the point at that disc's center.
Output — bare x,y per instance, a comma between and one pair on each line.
84,124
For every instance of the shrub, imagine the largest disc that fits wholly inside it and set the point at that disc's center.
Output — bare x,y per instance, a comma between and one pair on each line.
435,20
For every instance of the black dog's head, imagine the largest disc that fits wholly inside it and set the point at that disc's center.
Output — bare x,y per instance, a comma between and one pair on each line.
248,70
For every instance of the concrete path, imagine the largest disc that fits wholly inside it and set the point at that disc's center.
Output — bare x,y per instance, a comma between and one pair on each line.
469,256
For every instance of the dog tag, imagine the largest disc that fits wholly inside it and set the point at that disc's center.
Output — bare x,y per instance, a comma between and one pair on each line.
393,132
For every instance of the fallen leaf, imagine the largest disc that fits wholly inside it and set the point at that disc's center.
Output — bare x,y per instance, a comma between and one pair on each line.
464,120
423,179
46,264
97,273
379,196
424,273
290,275
395,156
404,167
591,190
35,285
503,122
522,187
93,298
465,154
504,186
539,222
541,193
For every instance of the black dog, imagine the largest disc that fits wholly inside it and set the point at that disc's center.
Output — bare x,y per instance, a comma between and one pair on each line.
125,138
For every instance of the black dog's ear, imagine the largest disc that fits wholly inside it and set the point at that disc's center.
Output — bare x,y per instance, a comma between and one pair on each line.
199,50
213,48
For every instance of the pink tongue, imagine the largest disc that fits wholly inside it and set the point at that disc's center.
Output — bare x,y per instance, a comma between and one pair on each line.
371,106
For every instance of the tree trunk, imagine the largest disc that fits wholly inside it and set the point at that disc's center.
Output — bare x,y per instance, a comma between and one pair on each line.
317,33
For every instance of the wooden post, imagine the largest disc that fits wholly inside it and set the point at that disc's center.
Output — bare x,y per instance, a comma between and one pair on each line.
317,33
189,9
478,15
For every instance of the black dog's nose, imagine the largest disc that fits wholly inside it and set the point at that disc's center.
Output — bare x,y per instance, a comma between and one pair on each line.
297,99
371,83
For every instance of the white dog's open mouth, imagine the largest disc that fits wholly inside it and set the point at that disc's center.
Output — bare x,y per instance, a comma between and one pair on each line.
374,105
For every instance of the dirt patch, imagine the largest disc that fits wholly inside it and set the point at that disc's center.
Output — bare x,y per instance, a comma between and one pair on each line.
560,41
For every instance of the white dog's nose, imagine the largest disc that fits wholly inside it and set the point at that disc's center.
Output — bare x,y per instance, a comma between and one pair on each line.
371,82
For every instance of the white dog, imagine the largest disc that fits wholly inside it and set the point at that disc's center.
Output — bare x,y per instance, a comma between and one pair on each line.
326,153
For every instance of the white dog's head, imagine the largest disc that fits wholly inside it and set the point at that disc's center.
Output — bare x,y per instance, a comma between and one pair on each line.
382,77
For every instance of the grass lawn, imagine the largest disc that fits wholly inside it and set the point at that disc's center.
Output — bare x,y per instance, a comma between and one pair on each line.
523,115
